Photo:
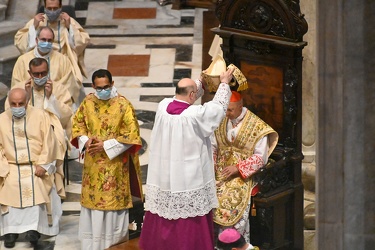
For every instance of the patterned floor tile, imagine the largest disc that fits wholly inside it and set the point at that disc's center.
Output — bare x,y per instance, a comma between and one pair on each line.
129,65
134,13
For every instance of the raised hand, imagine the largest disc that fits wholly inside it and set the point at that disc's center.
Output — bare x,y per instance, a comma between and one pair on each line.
48,88
65,16
227,76
37,19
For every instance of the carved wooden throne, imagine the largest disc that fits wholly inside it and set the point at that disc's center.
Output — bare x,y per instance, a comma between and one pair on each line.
264,39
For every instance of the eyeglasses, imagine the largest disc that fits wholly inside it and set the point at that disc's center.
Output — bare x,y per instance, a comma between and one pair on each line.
52,8
100,89
45,40
39,74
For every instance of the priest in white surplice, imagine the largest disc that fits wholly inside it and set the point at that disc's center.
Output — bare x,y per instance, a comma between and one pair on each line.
180,190
29,150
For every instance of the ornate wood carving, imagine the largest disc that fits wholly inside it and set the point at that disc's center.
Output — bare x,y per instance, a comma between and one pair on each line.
258,47
185,4
281,18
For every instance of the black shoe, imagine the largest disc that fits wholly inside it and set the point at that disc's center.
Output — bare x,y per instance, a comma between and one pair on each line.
10,240
32,236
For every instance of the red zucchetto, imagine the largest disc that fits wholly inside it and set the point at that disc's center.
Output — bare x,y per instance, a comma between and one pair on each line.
235,96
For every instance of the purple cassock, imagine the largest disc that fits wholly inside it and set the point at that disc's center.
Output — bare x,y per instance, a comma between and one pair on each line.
191,233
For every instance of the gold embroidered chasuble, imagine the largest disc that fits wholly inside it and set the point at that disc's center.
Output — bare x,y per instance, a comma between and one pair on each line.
106,184
24,143
234,194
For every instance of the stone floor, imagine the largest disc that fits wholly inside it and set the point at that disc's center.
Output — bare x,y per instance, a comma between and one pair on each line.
148,48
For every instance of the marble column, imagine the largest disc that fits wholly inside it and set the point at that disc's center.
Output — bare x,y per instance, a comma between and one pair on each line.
309,83
346,125
309,121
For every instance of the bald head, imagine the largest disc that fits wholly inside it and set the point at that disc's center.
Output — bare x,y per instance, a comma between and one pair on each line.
184,86
186,90
17,97
45,34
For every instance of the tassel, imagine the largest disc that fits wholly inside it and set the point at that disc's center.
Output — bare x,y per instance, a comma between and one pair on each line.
243,86
253,210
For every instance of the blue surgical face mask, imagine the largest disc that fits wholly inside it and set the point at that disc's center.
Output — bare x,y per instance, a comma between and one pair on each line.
18,112
52,14
44,47
40,81
104,94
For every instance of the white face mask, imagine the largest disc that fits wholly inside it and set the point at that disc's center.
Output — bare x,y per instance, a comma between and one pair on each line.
44,47
104,94
40,81
18,112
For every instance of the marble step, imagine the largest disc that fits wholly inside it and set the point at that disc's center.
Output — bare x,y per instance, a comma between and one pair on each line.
7,31
8,57
3,9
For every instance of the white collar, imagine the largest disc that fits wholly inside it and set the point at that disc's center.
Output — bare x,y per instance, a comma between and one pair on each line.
36,53
240,117
174,98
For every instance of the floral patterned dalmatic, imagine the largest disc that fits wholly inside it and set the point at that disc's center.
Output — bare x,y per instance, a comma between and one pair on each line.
106,183
234,194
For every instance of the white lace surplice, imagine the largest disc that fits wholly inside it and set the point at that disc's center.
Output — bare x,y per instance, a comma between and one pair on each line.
181,178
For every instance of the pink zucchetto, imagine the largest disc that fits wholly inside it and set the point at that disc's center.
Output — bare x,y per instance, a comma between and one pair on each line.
229,235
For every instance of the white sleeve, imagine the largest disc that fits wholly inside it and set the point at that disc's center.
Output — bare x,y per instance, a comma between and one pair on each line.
261,149
51,106
50,167
113,148
223,95
81,142
71,37
213,146
200,90
31,43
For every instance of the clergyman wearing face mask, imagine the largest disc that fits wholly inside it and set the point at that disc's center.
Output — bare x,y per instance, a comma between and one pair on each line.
18,103
44,47
44,41
39,73
18,112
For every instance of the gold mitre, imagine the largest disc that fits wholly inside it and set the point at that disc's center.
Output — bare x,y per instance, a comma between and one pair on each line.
212,75
239,77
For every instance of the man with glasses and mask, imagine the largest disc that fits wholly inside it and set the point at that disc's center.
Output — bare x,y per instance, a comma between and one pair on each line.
29,151
69,37
107,133
61,72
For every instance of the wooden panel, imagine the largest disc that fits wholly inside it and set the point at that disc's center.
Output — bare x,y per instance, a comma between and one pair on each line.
184,4
264,97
